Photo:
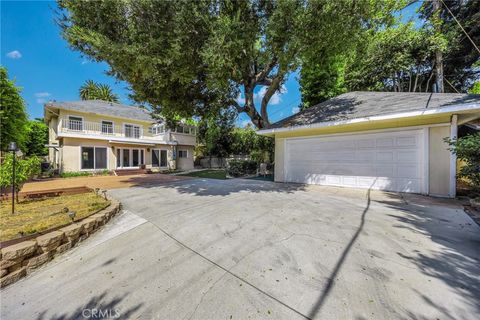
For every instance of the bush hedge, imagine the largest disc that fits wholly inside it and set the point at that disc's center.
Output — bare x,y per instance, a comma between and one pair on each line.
237,168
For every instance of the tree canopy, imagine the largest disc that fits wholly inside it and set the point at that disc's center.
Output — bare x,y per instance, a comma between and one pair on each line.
193,58
400,56
91,90
13,117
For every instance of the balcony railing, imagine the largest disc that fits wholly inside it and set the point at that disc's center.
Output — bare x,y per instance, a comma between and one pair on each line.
105,128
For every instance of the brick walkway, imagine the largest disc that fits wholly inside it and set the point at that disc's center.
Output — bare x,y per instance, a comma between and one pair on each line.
102,182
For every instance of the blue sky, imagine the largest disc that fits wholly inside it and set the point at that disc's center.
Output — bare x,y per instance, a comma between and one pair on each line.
45,68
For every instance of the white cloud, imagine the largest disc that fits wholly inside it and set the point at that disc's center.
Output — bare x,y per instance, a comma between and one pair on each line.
84,61
42,94
240,99
275,99
41,97
15,54
295,110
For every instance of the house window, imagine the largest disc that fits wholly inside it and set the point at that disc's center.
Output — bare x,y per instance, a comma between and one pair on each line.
157,129
75,123
94,158
107,127
132,131
159,158
182,153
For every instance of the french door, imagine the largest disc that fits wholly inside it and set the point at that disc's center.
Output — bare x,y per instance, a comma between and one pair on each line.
159,158
130,158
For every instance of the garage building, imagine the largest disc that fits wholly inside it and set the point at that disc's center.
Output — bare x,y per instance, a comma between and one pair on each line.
391,141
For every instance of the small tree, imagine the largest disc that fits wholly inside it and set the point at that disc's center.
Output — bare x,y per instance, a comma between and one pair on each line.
36,138
25,169
467,149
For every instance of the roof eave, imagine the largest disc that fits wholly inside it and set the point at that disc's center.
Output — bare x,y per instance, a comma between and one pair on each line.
451,109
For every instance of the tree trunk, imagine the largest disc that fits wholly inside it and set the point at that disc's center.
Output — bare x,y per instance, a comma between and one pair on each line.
438,53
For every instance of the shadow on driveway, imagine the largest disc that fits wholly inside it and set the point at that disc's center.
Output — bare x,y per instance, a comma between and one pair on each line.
97,307
215,187
457,263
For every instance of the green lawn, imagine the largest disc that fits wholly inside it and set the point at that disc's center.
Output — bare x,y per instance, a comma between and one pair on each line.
208,173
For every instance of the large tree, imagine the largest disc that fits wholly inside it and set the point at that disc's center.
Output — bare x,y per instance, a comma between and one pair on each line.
13,117
461,60
397,58
190,58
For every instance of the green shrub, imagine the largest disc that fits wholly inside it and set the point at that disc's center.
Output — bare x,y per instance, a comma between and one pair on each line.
237,168
467,149
25,169
72,174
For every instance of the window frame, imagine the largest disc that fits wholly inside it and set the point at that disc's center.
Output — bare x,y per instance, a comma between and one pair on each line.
160,150
113,127
82,121
94,158
140,129
183,151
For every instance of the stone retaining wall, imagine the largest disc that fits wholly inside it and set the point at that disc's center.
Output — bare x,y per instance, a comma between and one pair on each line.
21,259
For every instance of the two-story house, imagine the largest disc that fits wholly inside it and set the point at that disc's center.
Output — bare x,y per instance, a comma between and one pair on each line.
95,135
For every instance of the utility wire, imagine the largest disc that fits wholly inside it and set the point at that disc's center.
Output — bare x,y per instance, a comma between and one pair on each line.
459,24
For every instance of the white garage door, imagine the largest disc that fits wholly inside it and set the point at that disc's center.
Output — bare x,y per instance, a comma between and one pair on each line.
386,161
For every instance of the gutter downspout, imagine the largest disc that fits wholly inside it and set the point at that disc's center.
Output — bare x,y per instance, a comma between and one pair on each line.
453,158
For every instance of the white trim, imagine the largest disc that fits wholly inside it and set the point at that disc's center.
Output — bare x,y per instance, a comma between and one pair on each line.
94,164
456,108
68,124
130,158
453,158
284,159
112,139
426,160
159,158
140,130
113,126
370,131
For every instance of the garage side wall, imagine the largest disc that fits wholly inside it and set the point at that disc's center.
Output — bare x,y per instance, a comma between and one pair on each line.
439,161
279,159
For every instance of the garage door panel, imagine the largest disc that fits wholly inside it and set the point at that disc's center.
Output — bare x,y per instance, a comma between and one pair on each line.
386,161
408,171
406,141
407,156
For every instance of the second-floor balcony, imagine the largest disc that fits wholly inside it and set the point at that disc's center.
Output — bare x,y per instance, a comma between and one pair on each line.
106,128
78,126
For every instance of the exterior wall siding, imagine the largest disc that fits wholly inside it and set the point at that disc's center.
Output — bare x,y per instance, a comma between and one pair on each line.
185,163
70,154
439,161
279,160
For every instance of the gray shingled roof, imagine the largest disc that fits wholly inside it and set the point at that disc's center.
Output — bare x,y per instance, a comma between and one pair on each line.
360,104
103,108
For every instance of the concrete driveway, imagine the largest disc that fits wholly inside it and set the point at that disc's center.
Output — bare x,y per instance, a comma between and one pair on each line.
240,249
